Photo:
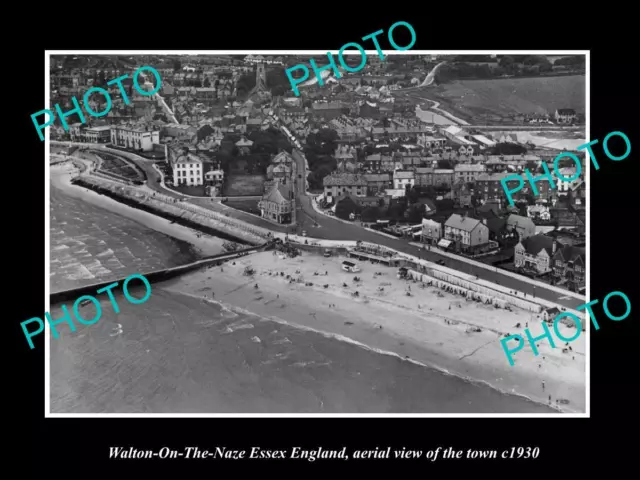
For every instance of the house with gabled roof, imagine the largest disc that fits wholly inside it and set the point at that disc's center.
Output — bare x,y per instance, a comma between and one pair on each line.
569,266
466,233
534,254
276,204
524,226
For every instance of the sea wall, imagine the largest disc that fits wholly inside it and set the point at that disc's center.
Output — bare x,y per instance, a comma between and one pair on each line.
183,213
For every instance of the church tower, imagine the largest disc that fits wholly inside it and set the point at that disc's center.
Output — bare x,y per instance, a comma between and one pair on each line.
261,77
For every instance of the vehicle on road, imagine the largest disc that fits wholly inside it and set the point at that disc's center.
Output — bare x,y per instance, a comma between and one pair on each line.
440,262
327,253
304,233
351,267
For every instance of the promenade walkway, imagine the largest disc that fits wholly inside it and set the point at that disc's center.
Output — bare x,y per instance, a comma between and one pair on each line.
503,272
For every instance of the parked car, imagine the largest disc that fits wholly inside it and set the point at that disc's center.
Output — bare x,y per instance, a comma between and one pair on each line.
327,253
440,262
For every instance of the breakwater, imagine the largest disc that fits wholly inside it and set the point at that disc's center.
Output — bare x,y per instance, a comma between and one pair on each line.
182,213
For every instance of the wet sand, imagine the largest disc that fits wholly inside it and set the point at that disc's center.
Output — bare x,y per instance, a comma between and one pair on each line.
179,353
420,328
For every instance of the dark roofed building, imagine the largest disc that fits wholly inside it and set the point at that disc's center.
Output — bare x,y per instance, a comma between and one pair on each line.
276,204
340,184
569,266
534,254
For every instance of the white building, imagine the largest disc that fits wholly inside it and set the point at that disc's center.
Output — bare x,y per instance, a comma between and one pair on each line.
134,137
468,172
563,186
431,231
97,134
403,178
214,176
187,170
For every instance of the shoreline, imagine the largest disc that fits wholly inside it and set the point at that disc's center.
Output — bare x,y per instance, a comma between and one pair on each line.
392,328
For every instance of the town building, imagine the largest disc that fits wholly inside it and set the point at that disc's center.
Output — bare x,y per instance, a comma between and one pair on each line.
569,267
467,234
187,170
431,231
443,176
565,115
533,254
539,212
523,226
276,204
402,178
562,185
179,132
340,184
424,176
100,134
214,177
134,137
468,172
377,182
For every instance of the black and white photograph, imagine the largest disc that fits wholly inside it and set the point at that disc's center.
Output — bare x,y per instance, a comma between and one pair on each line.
254,234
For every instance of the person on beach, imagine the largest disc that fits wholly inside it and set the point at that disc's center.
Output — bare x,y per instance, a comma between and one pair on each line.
543,385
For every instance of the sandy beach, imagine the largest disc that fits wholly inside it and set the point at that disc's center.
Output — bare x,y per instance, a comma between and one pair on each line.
429,327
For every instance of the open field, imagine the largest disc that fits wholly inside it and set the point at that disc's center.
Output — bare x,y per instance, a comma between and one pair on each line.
249,205
500,100
243,185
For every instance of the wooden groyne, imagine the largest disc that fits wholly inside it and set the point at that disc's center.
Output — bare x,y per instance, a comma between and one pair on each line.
156,276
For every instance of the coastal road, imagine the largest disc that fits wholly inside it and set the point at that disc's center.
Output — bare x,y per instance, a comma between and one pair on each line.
329,228
332,229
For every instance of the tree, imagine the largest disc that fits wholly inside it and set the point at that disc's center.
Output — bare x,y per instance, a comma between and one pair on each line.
176,65
206,83
415,213
381,202
508,149
371,214
345,208
413,195
446,164
505,61
396,211
278,91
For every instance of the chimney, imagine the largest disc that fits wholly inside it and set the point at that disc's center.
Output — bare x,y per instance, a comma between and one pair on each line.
484,220
554,247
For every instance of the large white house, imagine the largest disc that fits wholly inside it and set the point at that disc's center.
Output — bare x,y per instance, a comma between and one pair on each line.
187,170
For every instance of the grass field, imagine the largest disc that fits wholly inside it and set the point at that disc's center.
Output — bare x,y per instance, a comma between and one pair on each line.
500,100
243,185
249,206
